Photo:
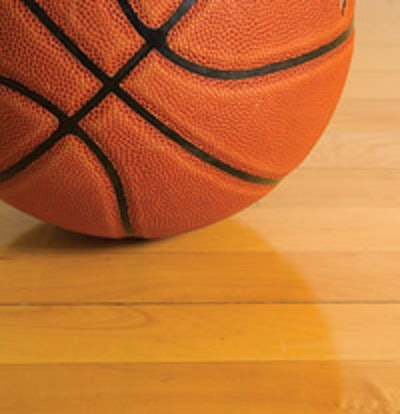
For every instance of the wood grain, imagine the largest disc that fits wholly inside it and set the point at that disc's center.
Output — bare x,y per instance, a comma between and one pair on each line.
199,333
292,306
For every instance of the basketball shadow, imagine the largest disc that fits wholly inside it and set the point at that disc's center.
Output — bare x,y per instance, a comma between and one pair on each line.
45,237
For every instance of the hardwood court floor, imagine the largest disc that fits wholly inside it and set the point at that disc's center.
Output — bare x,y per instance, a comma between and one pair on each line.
293,306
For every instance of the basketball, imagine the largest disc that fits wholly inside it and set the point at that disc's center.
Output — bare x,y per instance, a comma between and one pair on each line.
150,118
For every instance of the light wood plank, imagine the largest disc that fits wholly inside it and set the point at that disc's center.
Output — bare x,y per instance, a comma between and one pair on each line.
262,277
380,57
322,229
375,85
335,187
377,22
199,333
368,150
369,117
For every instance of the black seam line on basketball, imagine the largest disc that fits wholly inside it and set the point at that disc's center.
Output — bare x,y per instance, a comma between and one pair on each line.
29,159
33,96
344,7
109,85
65,128
177,16
45,146
133,18
161,45
256,72
81,56
188,146
108,81
65,40
156,38
113,176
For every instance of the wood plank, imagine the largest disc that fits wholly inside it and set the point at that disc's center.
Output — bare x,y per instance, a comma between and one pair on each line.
199,333
375,57
261,277
366,116
377,21
333,187
369,150
255,388
324,229
374,84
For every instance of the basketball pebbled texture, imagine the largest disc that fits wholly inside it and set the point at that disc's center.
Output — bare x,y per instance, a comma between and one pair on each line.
150,118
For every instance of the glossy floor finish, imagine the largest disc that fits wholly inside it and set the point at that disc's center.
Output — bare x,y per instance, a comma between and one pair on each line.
293,306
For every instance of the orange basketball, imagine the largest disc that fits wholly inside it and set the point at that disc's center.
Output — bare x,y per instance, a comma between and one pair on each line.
155,117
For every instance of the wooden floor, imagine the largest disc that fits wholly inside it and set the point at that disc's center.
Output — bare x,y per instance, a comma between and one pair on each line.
293,306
